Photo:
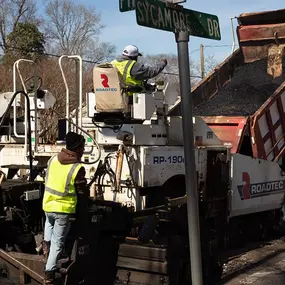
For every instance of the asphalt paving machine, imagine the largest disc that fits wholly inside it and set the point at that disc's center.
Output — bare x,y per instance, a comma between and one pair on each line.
134,228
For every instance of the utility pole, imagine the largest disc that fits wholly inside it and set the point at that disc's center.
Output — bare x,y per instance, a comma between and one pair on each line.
182,40
202,61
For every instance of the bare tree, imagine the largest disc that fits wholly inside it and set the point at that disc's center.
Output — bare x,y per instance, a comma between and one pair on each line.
74,28
11,13
97,52
171,72
209,63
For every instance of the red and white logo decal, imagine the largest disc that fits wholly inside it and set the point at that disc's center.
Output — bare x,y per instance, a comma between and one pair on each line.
253,190
105,80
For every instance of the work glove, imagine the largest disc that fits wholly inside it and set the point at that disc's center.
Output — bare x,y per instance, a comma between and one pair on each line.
165,61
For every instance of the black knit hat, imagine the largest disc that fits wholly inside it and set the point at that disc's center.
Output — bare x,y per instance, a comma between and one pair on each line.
74,141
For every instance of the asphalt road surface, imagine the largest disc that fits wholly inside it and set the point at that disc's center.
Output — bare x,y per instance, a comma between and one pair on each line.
260,266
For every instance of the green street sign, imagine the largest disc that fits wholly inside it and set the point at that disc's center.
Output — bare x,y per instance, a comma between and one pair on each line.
158,15
127,5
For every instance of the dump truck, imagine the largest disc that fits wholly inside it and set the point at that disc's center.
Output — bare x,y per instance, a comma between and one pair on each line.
136,215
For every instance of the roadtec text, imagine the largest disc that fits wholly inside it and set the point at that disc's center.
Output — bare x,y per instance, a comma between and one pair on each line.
253,190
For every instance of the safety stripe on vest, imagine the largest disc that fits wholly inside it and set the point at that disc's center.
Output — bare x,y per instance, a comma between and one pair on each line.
48,164
126,70
67,184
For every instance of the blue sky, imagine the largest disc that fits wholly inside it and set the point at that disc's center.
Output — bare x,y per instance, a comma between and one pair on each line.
122,29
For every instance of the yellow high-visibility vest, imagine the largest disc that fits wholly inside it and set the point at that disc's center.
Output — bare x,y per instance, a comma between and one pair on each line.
124,67
60,193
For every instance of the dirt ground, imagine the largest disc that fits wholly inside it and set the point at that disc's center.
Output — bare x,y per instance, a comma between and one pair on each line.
265,264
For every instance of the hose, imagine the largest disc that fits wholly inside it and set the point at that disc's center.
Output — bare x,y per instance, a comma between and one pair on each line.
103,169
115,129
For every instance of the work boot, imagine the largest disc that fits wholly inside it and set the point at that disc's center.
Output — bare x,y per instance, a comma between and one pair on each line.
46,248
49,278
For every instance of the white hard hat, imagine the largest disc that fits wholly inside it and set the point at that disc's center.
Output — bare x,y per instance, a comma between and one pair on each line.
131,50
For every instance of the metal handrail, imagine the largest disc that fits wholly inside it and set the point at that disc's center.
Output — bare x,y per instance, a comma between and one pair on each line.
79,74
16,68
233,34
86,133
29,125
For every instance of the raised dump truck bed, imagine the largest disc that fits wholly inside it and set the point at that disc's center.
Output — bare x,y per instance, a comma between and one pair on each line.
262,35
249,84
214,82
244,94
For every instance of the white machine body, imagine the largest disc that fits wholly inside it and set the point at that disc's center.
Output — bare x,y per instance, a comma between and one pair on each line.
153,147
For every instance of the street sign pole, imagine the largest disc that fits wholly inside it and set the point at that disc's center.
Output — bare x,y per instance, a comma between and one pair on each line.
182,39
165,15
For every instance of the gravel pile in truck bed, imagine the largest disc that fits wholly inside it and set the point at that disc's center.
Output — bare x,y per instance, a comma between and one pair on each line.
249,88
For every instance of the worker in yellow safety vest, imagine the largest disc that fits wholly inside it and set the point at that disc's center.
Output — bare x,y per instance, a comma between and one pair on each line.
134,73
64,178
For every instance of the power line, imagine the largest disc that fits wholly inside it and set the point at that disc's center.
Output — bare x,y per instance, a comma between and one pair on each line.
95,62
218,46
48,54
83,60
207,46
194,50
176,74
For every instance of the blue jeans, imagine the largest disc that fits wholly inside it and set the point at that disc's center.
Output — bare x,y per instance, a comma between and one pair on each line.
57,227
